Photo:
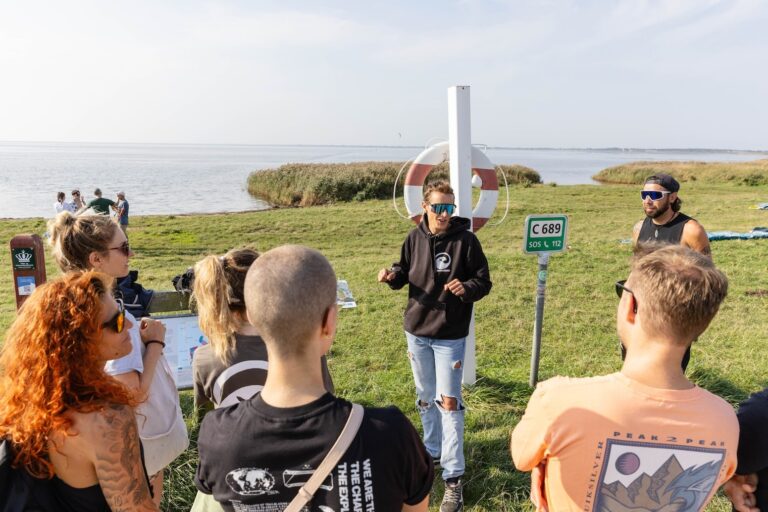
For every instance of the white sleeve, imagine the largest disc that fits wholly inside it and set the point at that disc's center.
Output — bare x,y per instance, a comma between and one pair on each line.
133,361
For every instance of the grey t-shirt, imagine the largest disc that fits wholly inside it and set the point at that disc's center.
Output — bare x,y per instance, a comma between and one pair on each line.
223,385
227,384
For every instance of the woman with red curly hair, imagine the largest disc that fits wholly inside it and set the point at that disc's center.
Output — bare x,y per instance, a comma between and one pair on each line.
67,420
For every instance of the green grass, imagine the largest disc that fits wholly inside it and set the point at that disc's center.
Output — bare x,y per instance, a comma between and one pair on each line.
368,359
316,184
742,173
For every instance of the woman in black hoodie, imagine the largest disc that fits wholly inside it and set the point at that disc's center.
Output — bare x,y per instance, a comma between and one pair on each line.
446,271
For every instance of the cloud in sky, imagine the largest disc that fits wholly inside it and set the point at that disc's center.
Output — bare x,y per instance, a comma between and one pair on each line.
684,73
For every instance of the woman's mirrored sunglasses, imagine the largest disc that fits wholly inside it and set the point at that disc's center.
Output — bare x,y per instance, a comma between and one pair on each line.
443,207
655,195
125,248
117,322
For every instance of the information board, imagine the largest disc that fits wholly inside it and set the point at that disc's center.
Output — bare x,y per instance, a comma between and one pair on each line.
182,338
545,233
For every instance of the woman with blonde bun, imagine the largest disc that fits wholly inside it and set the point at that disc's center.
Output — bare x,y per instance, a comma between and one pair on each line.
95,242
233,366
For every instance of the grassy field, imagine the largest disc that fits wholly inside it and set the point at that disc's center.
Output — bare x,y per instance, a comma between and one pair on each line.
741,173
369,362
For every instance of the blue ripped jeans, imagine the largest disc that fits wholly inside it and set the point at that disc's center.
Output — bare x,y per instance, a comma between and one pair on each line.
438,366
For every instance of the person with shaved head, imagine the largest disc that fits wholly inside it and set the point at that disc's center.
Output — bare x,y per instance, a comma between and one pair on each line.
256,455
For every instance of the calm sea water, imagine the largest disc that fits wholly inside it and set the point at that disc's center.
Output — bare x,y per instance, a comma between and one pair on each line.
190,178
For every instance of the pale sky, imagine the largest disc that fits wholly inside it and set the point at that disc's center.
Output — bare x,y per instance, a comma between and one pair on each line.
543,73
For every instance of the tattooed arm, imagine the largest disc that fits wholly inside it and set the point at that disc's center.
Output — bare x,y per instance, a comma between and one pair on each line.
118,461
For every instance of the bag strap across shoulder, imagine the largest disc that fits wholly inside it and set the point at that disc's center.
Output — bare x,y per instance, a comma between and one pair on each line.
337,451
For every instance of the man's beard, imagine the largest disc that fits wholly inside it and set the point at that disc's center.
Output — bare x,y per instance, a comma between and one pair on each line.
659,212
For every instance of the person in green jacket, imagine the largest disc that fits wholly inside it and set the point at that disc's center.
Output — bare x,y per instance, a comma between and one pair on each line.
100,205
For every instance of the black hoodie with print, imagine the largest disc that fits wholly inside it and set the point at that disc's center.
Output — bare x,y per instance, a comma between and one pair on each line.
427,263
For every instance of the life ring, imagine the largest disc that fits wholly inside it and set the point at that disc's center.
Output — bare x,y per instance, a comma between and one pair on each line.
413,192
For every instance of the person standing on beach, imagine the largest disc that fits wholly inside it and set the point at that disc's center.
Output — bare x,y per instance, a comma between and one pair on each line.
664,221
446,271
77,200
645,438
100,205
61,205
122,211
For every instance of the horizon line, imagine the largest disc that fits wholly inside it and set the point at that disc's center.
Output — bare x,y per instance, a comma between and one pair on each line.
407,146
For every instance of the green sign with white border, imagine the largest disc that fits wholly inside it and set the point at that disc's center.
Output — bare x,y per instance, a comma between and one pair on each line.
23,258
545,233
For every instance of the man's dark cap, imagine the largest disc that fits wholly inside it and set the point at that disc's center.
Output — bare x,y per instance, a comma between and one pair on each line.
665,180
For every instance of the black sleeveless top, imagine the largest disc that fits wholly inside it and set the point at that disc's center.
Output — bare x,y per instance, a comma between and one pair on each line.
55,494
671,232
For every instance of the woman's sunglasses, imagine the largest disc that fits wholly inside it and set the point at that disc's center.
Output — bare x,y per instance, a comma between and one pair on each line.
125,248
117,322
655,195
439,208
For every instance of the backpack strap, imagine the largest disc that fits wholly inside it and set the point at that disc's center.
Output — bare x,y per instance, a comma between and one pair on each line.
337,451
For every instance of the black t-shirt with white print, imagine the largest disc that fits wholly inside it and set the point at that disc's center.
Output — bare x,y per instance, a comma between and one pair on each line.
255,457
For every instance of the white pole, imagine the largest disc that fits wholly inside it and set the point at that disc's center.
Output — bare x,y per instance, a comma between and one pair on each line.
460,151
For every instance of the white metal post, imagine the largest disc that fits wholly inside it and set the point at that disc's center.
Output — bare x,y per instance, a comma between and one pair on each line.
460,151
460,148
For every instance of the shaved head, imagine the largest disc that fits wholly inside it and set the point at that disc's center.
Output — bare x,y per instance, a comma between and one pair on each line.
288,291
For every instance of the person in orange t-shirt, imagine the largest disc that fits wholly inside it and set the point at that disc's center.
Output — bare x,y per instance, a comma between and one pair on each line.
645,438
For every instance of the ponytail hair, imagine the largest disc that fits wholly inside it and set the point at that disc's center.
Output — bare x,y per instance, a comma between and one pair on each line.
218,291
73,239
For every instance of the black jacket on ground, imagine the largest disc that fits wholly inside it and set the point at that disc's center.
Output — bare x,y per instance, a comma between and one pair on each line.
427,263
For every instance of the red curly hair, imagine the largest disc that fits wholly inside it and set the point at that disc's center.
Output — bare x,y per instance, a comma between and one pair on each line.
50,364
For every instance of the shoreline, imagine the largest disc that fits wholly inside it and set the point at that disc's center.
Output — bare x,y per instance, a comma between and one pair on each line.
187,214
298,207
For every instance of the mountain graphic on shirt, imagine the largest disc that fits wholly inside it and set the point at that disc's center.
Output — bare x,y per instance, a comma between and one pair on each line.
671,487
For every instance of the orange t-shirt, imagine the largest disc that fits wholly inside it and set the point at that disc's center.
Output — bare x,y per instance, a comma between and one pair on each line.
612,444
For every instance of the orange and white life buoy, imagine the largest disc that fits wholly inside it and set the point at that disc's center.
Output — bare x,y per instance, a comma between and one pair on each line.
482,167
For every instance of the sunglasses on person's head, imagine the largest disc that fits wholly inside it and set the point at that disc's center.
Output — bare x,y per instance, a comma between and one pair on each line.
620,289
439,208
655,195
125,248
117,322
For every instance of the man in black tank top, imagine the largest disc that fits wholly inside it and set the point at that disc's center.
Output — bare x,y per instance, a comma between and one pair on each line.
665,223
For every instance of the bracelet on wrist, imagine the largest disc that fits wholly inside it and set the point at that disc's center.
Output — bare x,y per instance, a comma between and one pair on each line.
161,343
